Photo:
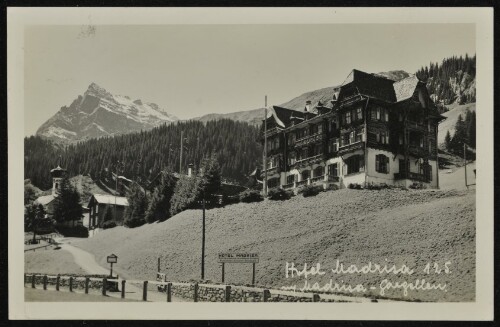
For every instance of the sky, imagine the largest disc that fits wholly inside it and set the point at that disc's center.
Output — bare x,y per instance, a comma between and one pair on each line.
192,70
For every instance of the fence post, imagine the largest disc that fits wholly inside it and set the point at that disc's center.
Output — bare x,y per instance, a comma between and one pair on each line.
145,291
71,284
87,280
266,295
123,288
315,297
195,295
169,292
58,281
104,282
227,294
33,280
45,282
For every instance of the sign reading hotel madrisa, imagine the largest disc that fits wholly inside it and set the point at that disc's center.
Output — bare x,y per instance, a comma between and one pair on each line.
238,257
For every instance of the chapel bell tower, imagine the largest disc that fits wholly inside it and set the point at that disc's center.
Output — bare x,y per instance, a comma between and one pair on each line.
57,175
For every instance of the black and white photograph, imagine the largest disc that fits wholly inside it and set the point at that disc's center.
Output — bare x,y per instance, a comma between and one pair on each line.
251,156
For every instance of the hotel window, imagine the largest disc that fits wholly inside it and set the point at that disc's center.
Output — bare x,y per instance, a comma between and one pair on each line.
345,139
382,164
359,113
306,174
351,137
319,171
333,145
348,117
290,179
400,139
333,169
291,138
386,114
291,158
359,135
354,164
320,128
378,113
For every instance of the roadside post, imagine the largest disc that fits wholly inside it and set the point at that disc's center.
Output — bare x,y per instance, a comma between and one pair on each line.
113,258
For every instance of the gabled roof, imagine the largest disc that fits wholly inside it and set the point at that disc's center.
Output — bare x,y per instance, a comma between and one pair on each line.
45,199
405,88
283,116
382,88
58,168
109,199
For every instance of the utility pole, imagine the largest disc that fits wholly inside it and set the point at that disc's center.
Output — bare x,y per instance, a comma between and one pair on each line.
182,146
203,241
264,166
465,164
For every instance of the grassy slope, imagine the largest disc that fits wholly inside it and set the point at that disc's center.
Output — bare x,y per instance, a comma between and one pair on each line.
355,226
50,261
451,119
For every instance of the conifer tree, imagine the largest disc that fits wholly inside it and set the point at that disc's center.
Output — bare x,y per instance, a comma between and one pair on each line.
67,205
159,205
447,141
137,206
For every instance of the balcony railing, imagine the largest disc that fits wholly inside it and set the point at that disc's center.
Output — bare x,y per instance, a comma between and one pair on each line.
409,175
351,147
288,186
310,160
317,179
332,178
309,139
301,183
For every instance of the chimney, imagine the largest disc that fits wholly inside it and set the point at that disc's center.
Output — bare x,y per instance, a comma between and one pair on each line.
308,106
190,169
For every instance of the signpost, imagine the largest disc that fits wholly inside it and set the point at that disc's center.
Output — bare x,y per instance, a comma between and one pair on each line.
252,258
113,258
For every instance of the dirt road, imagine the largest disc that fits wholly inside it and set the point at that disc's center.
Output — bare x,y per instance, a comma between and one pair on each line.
133,290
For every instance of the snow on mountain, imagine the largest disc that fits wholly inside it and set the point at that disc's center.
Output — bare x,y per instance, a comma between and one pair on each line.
99,113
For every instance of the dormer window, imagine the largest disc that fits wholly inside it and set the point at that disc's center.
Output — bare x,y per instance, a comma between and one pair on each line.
348,117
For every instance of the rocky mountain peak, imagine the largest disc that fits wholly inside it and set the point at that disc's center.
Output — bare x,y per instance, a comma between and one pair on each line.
99,113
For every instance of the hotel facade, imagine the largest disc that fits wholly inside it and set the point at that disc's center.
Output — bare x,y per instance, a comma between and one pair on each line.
373,131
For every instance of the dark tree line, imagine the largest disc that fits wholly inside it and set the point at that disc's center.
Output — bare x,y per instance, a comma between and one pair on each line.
171,195
465,132
145,154
463,69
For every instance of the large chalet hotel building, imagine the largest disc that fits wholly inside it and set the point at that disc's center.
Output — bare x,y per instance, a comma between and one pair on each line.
373,131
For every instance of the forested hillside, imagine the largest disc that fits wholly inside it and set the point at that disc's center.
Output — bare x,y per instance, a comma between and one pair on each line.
452,81
144,154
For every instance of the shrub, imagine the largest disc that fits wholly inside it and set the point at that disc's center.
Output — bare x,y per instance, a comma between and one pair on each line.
249,196
279,194
332,187
108,224
77,231
311,190
232,199
417,186
134,222
354,186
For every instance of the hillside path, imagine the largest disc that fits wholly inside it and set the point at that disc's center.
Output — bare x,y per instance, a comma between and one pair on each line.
88,263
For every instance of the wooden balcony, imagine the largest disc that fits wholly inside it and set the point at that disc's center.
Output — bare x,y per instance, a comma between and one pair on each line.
306,140
351,147
318,179
309,160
